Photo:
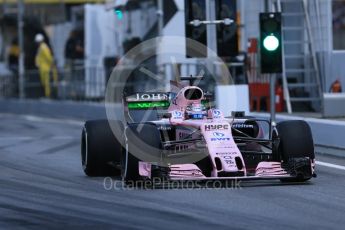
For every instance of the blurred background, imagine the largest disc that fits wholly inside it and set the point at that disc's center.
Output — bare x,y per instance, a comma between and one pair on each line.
87,38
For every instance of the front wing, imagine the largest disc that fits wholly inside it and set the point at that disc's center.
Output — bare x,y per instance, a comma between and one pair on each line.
300,167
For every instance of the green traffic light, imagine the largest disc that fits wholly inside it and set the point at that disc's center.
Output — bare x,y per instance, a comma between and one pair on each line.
271,43
119,14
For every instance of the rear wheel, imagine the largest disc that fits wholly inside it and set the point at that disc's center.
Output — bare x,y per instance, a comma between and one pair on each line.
141,139
100,150
296,149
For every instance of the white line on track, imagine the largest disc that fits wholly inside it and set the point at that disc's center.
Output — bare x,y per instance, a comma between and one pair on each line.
52,120
15,138
34,118
35,138
330,165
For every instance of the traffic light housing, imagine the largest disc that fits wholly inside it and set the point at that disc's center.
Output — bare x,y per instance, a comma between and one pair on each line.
227,37
195,10
271,42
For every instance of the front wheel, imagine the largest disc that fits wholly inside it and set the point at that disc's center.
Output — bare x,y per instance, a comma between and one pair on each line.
296,149
141,141
100,150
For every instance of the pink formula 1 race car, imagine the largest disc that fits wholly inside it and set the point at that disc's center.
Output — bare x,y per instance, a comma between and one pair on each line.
179,136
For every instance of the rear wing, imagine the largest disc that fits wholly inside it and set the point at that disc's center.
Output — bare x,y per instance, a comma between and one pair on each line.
142,107
144,101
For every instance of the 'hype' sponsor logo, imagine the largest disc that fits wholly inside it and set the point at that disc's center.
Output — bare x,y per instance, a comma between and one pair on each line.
216,127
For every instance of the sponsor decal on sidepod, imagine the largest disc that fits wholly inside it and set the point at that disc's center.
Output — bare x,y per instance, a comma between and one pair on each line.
216,127
219,137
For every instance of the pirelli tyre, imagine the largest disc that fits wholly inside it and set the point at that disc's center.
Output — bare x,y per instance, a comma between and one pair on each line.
141,140
100,150
296,148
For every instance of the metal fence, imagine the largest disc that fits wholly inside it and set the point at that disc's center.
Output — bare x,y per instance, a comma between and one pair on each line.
72,84
8,86
89,84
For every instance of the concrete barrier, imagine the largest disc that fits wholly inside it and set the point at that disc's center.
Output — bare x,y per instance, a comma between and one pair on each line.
56,109
326,132
334,105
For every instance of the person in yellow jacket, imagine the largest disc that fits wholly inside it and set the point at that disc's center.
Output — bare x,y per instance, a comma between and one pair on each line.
45,63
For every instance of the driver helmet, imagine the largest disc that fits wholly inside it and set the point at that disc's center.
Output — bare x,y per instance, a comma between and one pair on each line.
196,111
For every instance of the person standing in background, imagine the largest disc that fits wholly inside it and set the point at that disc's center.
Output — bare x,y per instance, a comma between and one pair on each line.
13,61
45,63
336,87
74,48
13,56
74,56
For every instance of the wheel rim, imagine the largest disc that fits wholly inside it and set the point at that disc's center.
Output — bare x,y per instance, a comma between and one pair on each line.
84,149
124,159
124,163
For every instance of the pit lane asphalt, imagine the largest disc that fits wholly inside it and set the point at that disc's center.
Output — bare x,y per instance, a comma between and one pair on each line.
42,186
